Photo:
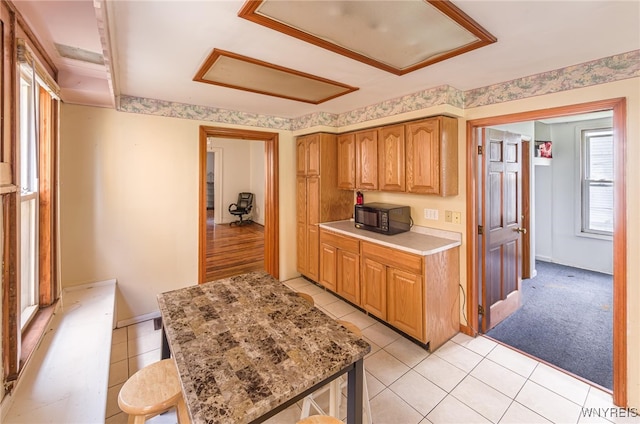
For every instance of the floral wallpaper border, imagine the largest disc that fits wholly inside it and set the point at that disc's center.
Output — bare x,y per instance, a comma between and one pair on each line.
201,113
600,71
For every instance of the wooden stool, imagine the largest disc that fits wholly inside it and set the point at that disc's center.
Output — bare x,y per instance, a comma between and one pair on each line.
335,390
151,391
306,297
320,419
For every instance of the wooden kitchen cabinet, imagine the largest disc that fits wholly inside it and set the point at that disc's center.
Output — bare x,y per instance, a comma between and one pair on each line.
417,294
374,288
431,164
413,157
340,265
358,160
406,302
391,158
347,161
318,198
367,159
401,273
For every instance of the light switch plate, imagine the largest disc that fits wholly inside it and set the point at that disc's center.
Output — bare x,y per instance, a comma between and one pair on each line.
431,214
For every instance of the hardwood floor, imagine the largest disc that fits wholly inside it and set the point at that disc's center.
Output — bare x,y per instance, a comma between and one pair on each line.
232,249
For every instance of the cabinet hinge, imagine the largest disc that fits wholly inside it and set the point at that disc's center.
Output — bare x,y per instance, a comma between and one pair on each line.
480,310
479,150
480,229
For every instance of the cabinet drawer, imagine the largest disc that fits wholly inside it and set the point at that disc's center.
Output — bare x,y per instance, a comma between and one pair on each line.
349,244
393,257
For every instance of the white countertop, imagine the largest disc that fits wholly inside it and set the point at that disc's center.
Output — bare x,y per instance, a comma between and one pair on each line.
421,241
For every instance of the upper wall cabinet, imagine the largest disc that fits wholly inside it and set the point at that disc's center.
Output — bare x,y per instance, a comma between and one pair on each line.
367,159
391,158
347,161
414,157
308,155
432,156
358,160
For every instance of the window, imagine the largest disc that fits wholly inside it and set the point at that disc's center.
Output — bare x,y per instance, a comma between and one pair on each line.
29,280
597,181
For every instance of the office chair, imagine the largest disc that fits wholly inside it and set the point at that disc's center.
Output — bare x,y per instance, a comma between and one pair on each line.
242,207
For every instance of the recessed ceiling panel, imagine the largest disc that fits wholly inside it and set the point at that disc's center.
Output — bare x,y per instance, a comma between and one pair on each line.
396,36
244,73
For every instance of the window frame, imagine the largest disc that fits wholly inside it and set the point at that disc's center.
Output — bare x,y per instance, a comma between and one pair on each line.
585,183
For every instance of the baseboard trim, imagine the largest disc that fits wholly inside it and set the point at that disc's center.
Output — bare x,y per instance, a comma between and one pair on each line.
138,319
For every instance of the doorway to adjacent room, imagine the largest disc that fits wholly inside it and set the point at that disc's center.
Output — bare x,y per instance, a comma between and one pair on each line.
475,197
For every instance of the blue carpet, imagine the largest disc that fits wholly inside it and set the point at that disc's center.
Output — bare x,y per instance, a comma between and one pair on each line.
566,319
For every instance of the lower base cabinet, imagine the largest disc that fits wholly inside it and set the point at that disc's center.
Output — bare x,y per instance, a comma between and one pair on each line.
416,294
374,288
406,302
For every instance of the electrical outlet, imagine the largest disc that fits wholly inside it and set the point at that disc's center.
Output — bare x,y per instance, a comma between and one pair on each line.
447,216
431,214
455,217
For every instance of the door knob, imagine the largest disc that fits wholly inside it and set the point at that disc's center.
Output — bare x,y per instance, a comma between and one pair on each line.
520,230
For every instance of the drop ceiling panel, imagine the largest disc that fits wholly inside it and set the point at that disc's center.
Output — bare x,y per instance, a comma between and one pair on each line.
240,72
397,36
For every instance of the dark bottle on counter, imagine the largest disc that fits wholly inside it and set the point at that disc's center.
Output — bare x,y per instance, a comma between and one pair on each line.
359,198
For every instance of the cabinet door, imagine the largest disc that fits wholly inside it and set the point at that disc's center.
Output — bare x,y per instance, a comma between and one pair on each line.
367,159
301,156
313,254
374,288
301,225
301,200
313,154
423,157
313,200
328,266
405,296
301,248
349,276
347,161
391,155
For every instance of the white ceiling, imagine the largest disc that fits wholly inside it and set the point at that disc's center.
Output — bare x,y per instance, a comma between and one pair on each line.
157,46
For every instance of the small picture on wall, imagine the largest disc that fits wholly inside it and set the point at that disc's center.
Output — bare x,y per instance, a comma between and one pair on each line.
543,149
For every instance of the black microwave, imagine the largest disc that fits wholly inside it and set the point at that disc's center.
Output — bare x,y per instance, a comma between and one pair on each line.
383,218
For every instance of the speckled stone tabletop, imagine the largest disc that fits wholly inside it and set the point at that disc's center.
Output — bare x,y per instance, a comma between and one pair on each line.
245,345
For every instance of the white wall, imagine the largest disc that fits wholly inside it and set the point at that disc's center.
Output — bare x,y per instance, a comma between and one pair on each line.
243,170
257,179
129,203
568,245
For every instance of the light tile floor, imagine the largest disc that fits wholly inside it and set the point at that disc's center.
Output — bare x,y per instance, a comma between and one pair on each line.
467,380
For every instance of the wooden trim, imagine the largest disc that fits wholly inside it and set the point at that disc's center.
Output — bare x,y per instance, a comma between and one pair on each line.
46,208
618,106
248,11
526,211
10,275
217,54
620,255
32,335
272,214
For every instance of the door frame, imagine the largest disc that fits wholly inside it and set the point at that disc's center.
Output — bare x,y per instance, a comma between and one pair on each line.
618,106
271,219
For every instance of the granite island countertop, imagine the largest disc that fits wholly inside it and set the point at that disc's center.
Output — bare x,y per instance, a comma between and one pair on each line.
421,241
245,345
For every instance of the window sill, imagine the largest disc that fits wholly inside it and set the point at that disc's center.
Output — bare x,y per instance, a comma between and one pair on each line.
32,335
603,237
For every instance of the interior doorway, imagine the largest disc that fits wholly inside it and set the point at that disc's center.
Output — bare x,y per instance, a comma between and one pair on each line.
618,106
271,210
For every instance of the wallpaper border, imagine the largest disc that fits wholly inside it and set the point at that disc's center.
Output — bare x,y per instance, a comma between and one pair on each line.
600,71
